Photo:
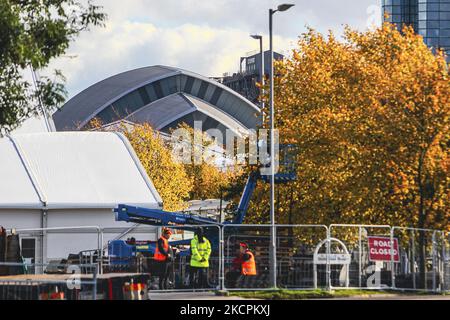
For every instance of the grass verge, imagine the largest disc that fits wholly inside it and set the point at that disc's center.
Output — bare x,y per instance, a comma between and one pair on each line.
308,294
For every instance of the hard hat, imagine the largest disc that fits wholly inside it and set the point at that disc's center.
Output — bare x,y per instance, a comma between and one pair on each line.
244,245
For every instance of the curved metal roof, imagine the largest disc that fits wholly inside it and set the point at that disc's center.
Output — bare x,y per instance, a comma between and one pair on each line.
161,113
231,108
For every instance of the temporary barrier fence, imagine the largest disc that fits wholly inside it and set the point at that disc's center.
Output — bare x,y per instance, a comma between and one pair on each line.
296,265
180,274
340,256
60,244
364,262
422,262
446,256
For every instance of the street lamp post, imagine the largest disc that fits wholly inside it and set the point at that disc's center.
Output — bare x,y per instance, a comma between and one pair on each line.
262,70
273,246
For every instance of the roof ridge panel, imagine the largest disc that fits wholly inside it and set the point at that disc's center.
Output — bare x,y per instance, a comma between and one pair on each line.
31,175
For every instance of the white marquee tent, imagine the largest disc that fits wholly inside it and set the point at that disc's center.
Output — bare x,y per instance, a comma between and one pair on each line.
53,180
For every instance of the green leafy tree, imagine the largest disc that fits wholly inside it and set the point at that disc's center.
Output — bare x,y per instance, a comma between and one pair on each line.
32,33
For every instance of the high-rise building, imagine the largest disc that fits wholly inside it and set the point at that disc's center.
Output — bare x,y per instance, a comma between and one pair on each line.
401,12
244,82
429,18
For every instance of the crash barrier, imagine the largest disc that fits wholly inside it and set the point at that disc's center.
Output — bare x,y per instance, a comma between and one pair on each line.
307,256
66,282
298,248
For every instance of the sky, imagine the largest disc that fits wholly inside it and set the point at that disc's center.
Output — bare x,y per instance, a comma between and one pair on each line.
207,37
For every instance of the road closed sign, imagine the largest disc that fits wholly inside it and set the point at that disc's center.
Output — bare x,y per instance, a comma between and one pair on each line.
381,249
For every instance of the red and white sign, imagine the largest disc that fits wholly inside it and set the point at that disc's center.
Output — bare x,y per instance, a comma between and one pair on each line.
380,249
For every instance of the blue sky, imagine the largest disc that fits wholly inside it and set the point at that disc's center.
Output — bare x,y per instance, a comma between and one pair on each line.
207,37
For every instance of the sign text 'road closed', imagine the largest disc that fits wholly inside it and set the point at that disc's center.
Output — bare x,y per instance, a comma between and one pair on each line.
381,249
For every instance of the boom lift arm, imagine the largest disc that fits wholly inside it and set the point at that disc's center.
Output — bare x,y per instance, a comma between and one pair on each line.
158,217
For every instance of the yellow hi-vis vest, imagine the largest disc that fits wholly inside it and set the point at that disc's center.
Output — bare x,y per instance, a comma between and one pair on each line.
199,252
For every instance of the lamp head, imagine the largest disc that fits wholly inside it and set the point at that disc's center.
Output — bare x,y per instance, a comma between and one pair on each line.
284,7
256,36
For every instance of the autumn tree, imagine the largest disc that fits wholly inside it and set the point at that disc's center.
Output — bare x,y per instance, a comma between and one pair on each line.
169,177
176,182
32,33
370,118
210,178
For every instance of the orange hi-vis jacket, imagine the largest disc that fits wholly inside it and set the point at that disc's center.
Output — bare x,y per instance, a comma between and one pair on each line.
249,266
158,255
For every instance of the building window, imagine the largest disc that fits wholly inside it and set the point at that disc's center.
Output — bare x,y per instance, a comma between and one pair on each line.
28,246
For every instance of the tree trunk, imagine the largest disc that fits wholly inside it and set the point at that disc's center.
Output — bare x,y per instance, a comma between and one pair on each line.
422,257
290,218
422,218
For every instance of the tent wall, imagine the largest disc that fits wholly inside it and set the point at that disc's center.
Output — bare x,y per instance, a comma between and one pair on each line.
25,219
20,219
58,244
82,217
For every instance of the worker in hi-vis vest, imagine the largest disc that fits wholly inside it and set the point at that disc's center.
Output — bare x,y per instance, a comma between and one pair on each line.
243,268
200,253
163,257
247,260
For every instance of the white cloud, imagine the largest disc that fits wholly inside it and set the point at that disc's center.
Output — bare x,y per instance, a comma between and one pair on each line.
124,46
207,37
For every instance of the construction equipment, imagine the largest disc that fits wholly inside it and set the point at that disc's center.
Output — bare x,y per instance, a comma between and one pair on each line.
157,217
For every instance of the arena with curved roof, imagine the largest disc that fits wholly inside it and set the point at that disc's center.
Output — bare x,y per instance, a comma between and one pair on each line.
162,96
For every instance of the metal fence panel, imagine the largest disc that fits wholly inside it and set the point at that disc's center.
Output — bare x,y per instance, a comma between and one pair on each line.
446,260
422,259
176,274
297,267
59,245
361,269
295,247
258,240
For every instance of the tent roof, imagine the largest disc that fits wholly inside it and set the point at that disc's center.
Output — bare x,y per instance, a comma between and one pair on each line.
70,170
